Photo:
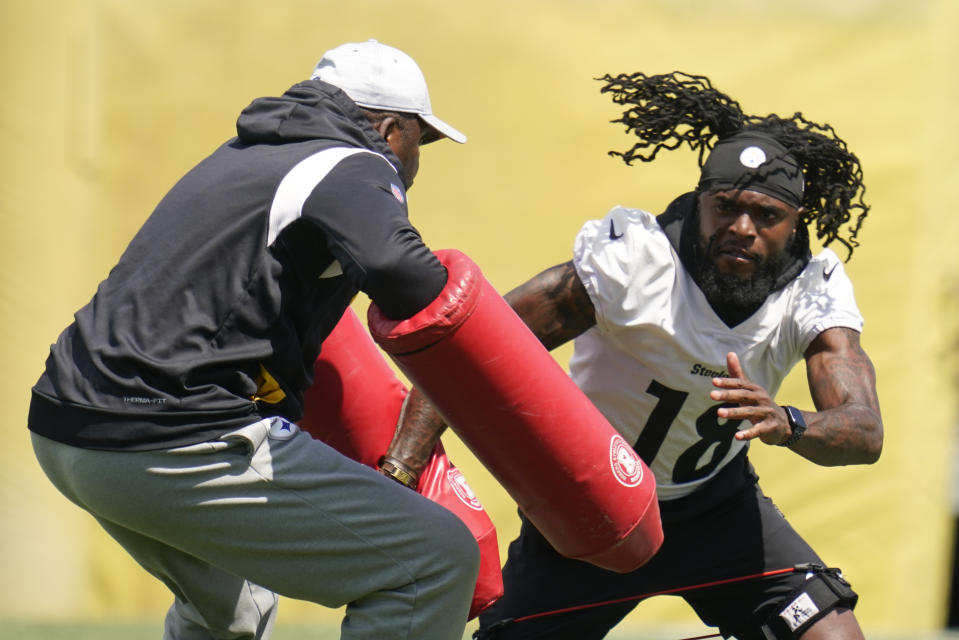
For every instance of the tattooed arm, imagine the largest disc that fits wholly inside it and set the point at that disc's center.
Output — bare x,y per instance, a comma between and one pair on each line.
846,427
554,305
556,308
417,432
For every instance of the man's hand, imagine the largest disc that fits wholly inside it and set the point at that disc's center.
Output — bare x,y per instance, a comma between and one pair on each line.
769,422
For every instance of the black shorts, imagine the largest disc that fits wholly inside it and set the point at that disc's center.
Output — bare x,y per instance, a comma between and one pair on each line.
726,530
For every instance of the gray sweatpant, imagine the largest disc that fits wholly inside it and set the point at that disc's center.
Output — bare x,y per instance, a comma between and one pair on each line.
267,510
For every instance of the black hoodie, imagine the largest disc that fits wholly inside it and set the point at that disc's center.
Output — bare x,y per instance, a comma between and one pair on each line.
216,311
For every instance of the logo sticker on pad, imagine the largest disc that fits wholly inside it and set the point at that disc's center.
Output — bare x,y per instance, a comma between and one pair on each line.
626,465
462,489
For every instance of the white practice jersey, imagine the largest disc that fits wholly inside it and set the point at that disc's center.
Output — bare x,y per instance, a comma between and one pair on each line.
649,362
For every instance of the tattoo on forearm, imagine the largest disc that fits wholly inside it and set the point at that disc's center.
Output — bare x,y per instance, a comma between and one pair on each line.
842,382
554,304
843,378
419,430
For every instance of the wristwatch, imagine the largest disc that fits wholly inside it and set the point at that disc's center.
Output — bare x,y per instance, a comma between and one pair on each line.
796,423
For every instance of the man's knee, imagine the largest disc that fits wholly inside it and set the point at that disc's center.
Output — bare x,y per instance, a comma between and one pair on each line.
456,549
838,624
824,592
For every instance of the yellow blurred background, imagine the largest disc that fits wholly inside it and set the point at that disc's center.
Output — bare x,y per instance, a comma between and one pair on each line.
105,103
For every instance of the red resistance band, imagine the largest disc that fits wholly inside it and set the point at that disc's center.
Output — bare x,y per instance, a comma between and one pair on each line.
715,583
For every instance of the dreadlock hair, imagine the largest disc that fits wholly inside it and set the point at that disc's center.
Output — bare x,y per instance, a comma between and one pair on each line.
665,111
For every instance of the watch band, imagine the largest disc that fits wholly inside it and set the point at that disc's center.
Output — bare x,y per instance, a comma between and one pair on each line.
393,469
797,423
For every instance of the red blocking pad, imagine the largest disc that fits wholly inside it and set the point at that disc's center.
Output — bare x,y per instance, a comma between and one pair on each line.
354,405
356,399
443,483
518,411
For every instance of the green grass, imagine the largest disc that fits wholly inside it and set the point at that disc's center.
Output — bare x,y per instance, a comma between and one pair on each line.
153,630
143,630
130,630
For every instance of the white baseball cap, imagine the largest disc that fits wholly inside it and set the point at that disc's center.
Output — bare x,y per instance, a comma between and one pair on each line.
377,76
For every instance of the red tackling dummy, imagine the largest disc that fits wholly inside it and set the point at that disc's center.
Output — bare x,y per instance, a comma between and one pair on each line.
354,405
569,471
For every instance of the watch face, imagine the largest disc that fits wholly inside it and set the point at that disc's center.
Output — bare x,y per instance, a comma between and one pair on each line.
795,418
797,423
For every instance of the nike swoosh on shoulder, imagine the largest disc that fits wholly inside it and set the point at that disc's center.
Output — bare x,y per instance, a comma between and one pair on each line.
826,274
612,231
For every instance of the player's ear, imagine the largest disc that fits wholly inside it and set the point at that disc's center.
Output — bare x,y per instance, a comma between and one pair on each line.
387,126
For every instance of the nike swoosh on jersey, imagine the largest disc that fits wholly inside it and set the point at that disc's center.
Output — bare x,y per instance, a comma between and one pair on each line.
612,231
828,274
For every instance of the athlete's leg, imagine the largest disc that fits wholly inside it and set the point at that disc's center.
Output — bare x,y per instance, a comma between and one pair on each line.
838,624
209,604
538,580
821,607
751,536
288,513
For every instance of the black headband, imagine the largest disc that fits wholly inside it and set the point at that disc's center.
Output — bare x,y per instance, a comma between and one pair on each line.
754,161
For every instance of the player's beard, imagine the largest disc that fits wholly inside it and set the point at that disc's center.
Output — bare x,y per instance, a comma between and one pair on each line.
724,290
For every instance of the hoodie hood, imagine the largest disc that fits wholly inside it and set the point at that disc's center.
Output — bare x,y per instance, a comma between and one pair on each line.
311,110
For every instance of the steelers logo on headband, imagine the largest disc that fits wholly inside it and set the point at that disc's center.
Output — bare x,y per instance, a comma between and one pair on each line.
752,157
754,161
